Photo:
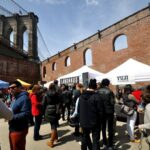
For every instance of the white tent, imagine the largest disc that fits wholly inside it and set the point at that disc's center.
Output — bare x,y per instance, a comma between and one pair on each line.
47,84
78,73
129,72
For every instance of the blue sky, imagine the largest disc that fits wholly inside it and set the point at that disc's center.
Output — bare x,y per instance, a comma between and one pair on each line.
64,22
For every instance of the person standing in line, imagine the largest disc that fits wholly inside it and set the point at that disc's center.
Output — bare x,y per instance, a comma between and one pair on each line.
140,115
79,90
108,98
66,100
5,112
146,126
90,117
18,125
130,101
50,102
36,109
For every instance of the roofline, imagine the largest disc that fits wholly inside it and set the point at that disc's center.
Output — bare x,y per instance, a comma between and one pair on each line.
101,30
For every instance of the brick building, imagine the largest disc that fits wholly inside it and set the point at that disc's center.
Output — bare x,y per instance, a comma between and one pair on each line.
106,49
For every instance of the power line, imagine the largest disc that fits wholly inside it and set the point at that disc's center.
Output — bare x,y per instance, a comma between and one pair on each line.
19,6
24,11
6,10
37,27
43,41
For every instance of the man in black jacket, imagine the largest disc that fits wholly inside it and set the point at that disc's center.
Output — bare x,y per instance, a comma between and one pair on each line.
90,116
108,98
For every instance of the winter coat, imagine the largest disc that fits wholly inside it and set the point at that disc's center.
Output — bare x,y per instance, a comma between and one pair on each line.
66,97
90,109
108,98
50,106
36,104
21,111
130,100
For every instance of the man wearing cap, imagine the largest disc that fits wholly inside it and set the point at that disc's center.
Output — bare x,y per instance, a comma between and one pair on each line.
18,126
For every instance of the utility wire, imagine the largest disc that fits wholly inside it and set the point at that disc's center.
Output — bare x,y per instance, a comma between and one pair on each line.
43,41
18,5
6,10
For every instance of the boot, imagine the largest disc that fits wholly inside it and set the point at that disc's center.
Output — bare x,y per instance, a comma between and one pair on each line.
56,137
52,139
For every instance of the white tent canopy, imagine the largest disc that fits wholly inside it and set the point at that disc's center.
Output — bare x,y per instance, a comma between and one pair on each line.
129,72
47,84
78,73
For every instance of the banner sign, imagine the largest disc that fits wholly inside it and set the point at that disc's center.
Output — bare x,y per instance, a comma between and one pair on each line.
70,80
123,78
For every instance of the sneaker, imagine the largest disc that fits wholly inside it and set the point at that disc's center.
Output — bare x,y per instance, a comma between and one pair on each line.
80,143
104,146
135,141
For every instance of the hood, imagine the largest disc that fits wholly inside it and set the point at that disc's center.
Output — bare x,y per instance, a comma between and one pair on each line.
22,94
51,93
86,94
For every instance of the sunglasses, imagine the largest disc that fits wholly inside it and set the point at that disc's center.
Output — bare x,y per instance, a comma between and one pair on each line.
12,87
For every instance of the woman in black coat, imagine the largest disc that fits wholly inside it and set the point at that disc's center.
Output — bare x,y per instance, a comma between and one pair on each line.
50,108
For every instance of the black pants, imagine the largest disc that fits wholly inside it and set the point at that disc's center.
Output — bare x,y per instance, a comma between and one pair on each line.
86,140
108,120
64,106
37,124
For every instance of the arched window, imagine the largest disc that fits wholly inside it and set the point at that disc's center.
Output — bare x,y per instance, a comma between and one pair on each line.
120,42
67,61
25,40
53,66
12,38
44,72
88,57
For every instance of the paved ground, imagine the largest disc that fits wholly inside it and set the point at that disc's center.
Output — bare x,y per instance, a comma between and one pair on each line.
66,140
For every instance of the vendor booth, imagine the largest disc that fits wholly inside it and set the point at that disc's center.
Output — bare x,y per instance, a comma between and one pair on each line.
47,84
129,72
82,75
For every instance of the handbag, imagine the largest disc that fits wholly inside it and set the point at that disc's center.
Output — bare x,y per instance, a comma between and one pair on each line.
73,122
127,110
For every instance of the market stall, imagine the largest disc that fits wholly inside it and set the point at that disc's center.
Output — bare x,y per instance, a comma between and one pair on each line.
79,75
130,72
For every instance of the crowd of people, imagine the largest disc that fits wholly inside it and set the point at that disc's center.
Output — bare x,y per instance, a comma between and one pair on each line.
92,108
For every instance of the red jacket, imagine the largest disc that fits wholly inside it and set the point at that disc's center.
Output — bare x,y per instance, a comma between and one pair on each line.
137,94
36,104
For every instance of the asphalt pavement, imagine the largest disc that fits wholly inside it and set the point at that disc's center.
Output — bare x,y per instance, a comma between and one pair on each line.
67,141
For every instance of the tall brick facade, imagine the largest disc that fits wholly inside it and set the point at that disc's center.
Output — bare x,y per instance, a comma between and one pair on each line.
136,27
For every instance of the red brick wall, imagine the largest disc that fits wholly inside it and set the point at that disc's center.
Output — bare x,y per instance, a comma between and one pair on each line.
12,68
137,29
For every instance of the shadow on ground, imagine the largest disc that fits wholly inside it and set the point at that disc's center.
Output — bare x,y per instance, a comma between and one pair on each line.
121,138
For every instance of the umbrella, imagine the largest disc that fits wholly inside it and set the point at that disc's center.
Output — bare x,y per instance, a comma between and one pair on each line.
3,84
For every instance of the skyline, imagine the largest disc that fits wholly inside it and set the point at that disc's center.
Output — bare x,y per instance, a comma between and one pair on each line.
65,22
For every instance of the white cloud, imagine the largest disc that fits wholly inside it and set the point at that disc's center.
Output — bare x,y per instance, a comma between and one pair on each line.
92,2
